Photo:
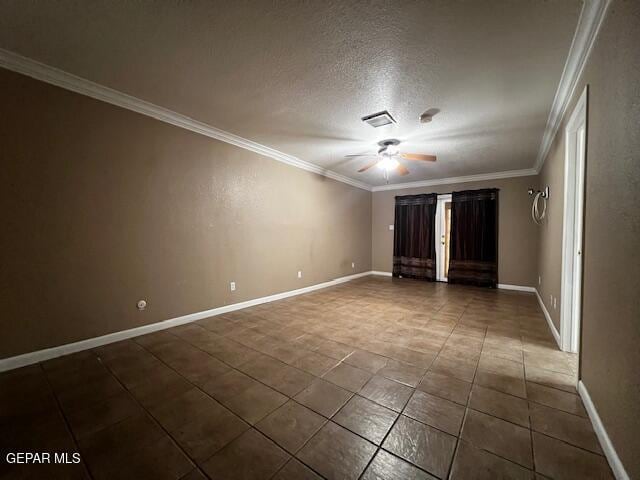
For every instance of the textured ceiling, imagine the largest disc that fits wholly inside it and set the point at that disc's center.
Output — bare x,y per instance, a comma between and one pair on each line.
297,76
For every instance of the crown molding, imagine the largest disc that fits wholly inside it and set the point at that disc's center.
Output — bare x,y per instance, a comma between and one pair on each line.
46,73
589,23
451,180
591,17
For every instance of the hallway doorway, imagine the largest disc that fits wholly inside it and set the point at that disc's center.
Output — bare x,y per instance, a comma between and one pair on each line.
443,236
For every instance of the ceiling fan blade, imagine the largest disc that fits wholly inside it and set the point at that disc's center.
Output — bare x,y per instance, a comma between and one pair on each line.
419,157
367,167
402,170
361,155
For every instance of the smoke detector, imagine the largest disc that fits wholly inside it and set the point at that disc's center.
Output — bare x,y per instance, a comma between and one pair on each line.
379,119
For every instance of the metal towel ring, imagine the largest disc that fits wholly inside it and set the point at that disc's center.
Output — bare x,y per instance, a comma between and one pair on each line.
536,214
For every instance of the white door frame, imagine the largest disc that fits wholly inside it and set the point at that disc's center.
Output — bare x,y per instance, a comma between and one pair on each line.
573,226
441,275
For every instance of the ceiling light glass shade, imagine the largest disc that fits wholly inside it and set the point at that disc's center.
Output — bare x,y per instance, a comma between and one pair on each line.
387,163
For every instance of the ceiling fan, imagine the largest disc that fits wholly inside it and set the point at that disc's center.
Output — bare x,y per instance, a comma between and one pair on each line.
388,156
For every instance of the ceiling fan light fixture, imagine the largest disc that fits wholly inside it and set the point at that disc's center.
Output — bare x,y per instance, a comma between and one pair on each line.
388,164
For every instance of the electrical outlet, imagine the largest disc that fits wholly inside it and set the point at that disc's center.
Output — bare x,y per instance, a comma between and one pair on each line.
299,273
353,265
390,227
232,285
142,304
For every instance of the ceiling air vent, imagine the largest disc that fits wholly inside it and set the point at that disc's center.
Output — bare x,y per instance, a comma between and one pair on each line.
379,119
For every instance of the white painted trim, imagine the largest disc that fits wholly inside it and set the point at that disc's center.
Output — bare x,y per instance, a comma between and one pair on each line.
605,442
573,226
382,274
504,286
519,288
40,71
49,353
591,18
552,327
452,180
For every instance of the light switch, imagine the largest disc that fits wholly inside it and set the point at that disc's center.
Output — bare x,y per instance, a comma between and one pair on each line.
390,227
233,286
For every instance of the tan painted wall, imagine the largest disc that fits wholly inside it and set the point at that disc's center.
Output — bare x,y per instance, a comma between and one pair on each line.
102,207
610,348
517,239
550,244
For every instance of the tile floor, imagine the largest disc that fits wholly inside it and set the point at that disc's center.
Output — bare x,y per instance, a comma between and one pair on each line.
373,379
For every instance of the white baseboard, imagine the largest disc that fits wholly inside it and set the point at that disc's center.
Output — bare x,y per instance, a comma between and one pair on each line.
552,327
503,286
519,288
49,353
605,442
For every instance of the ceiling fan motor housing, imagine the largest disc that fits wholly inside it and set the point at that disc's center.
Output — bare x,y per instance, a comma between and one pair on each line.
384,144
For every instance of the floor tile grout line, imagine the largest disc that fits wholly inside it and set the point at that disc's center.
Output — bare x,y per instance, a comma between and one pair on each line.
493,416
586,450
310,351
458,438
294,455
526,387
326,419
466,408
153,418
530,429
65,419
380,447
244,363
553,388
330,420
237,369
251,426
262,382
515,396
284,363
216,400
394,424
